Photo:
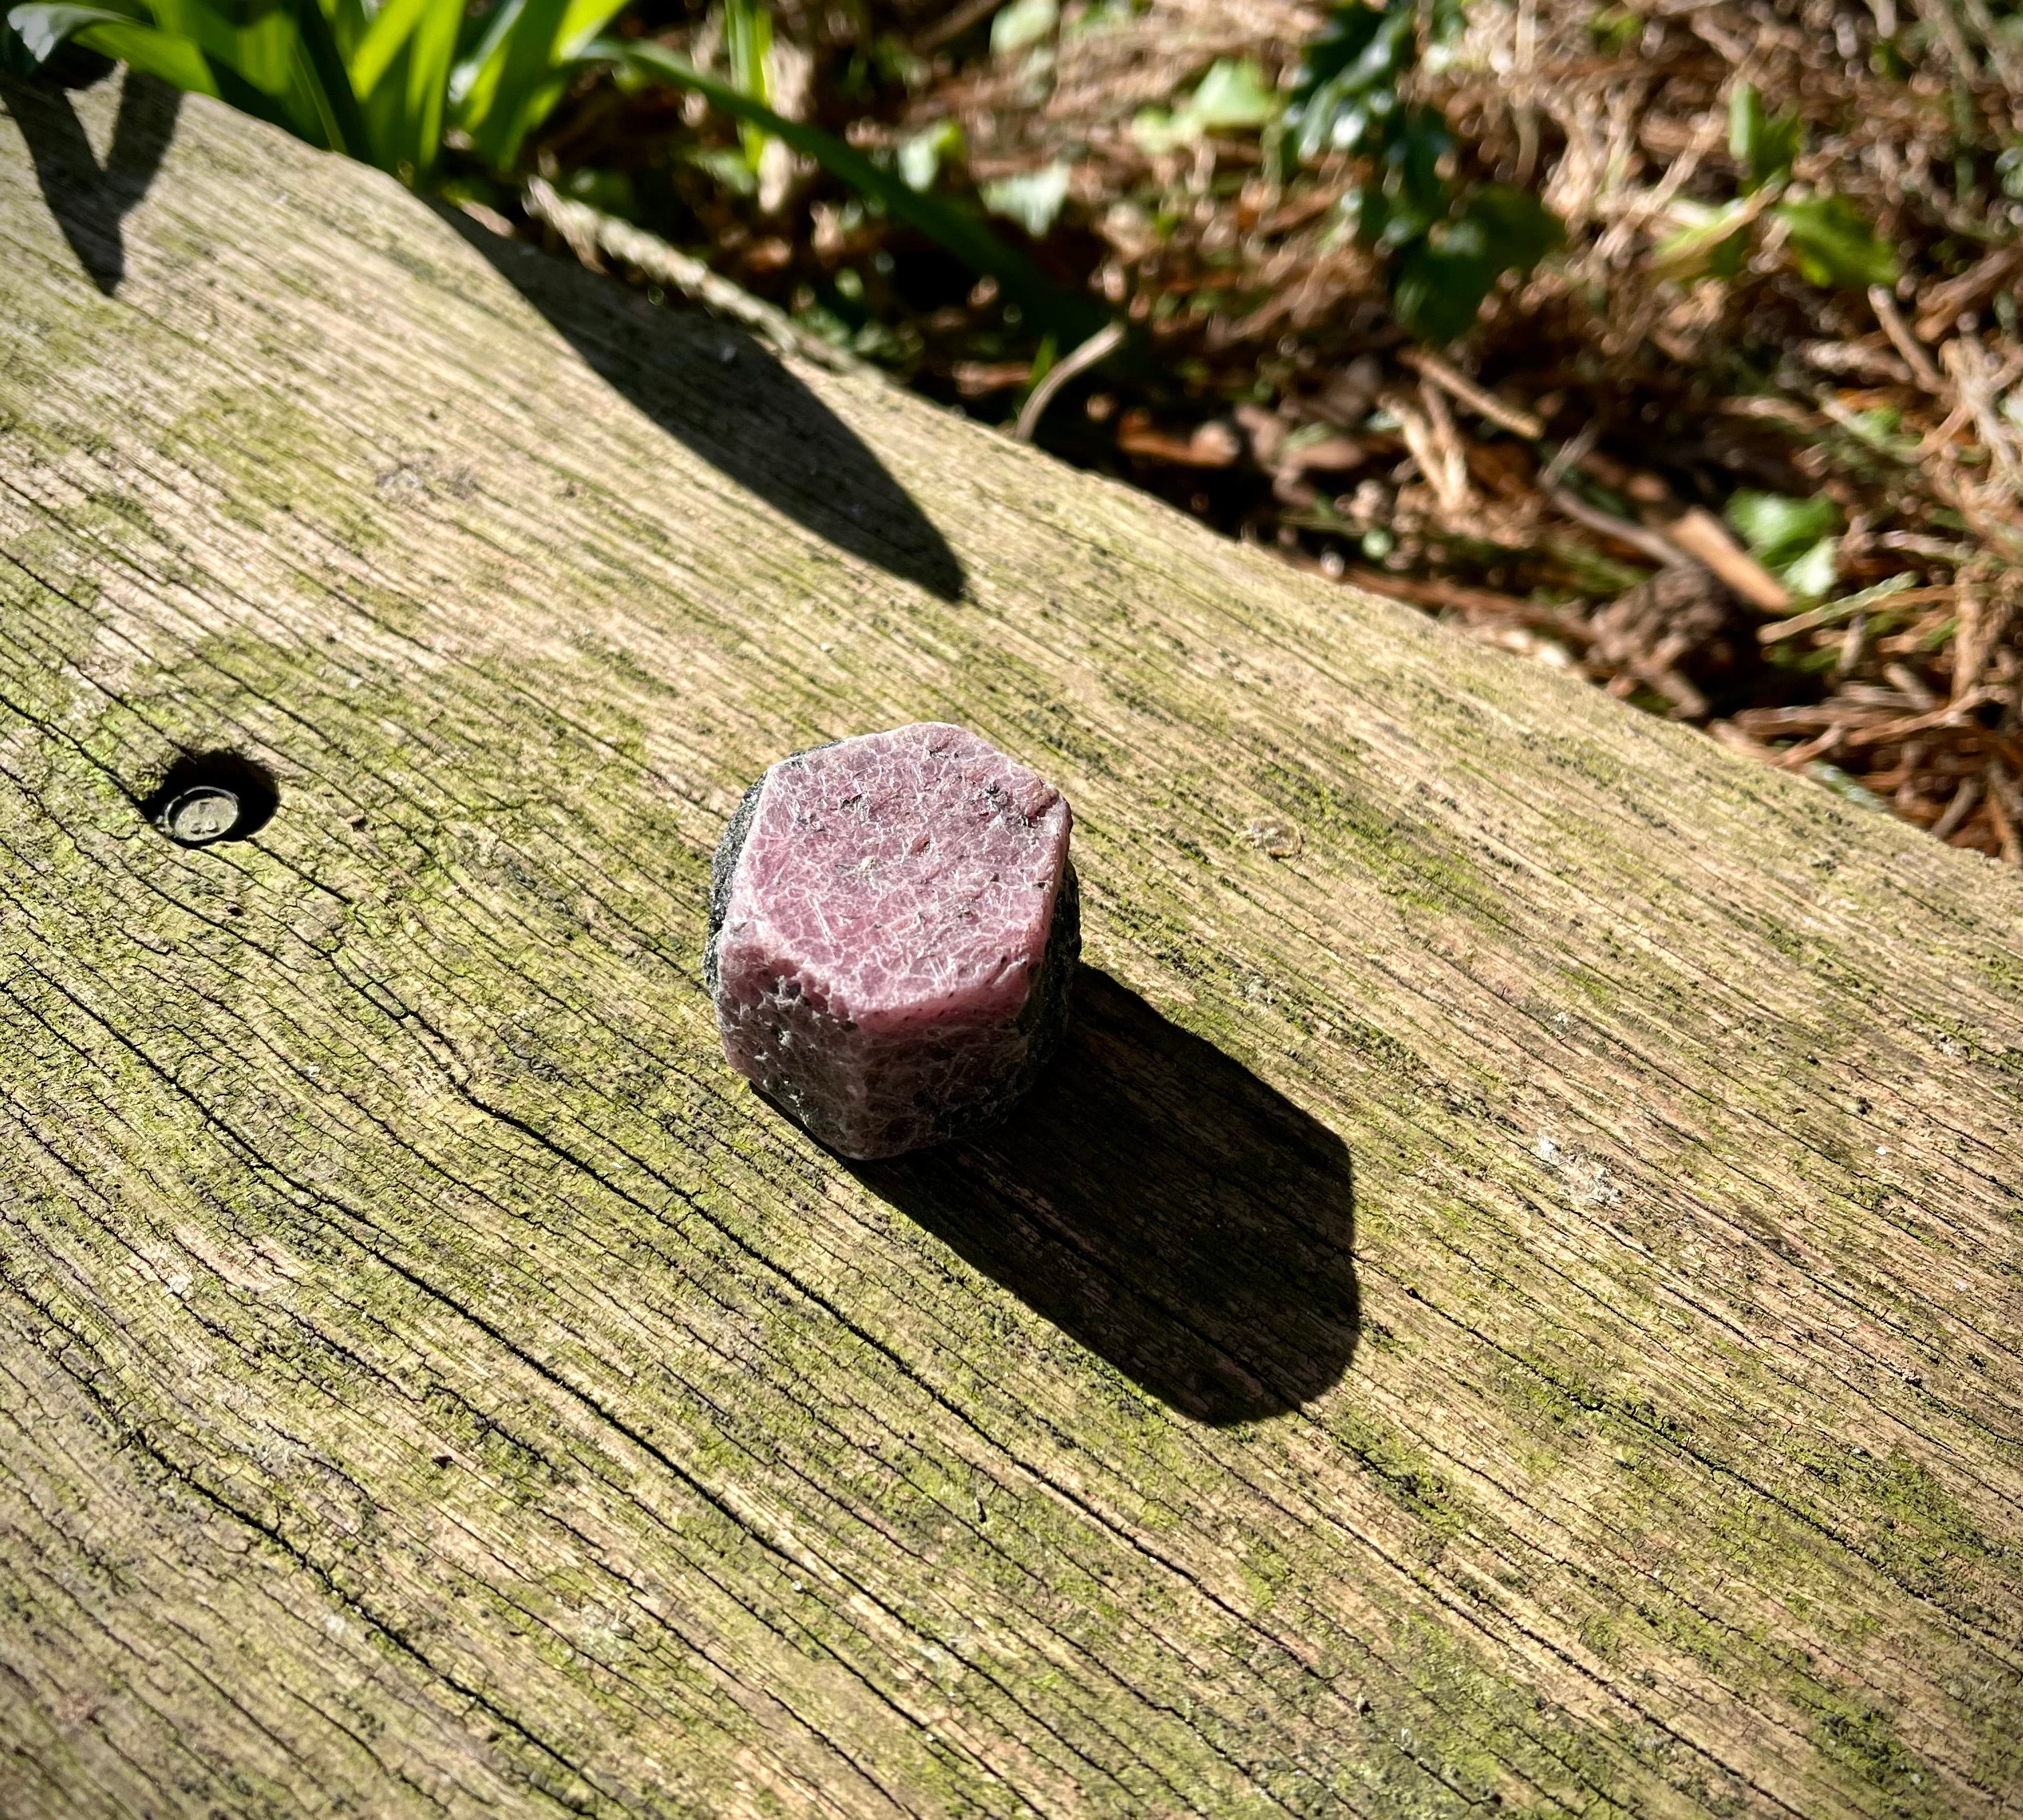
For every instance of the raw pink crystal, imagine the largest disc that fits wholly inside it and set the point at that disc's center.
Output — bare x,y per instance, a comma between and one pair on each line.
894,922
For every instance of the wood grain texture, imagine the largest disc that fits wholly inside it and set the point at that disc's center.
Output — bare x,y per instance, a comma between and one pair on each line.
1514,1304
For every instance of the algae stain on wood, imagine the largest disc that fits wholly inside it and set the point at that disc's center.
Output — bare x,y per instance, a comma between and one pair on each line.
418,1349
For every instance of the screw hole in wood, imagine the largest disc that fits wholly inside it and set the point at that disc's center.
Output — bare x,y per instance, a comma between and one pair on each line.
208,797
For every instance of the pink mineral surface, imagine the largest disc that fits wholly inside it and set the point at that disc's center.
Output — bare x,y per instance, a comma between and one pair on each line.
894,925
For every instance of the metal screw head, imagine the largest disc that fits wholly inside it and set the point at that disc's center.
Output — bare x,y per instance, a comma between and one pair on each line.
198,816
1281,839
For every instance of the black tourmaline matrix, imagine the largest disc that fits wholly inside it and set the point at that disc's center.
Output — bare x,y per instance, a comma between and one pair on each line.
894,925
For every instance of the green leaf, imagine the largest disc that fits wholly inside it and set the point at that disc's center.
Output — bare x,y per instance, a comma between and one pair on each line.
1155,131
401,71
748,32
1745,121
1419,144
1811,576
44,29
920,157
257,41
727,166
1023,24
530,50
1764,148
1032,200
479,67
386,34
1410,197
1440,282
113,32
610,192
373,86
252,54
1724,261
1345,91
173,60
329,81
1446,20
1614,29
963,236
1438,287
1233,97
1714,245
348,21
424,90
1778,530
1833,245
1519,229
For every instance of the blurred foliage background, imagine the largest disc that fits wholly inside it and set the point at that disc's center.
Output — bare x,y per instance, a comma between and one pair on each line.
1675,345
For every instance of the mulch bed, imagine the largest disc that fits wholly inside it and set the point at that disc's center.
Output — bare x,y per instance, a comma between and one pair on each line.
1786,510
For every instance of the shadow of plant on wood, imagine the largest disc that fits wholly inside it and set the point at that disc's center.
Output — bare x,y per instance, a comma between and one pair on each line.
89,203
718,392
1163,1207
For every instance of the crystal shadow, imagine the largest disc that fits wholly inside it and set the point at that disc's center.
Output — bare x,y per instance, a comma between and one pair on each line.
88,203
1162,1205
720,393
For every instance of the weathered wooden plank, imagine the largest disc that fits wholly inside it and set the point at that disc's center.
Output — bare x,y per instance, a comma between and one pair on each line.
428,1384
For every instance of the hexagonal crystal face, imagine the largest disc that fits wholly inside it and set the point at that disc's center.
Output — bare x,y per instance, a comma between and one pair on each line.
894,924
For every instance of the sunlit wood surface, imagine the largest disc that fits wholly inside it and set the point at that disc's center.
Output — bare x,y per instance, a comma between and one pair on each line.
1511,1295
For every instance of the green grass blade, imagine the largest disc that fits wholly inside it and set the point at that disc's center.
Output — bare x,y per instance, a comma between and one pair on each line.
527,67
118,29
153,53
43,29
431,52
1051,306
171,55
385,36
329,82
258,42
581,23
747,33
348,21
517,55
476,76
